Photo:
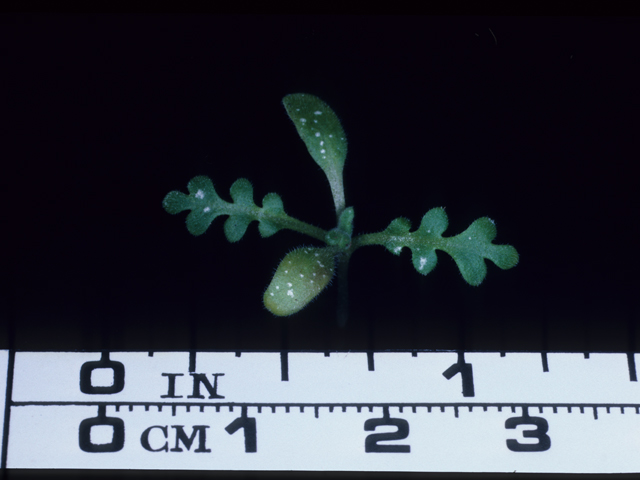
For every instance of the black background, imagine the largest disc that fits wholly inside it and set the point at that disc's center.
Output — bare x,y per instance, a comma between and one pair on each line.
532,121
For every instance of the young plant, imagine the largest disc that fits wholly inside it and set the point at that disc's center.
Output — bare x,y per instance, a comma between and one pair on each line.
306,271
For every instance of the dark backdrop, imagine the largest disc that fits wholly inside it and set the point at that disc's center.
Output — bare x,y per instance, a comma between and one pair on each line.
530,121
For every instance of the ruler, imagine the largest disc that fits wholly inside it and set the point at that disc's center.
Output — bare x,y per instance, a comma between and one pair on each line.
413,411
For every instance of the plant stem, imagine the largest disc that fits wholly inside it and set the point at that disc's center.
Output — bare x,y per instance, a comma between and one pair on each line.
369,239
337,191
343,289
303,227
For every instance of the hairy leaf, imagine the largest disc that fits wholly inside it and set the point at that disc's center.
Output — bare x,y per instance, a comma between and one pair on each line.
319,128
468,249
322,133
206,205
300,277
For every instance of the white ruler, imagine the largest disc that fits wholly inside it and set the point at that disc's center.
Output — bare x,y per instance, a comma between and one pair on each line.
339,411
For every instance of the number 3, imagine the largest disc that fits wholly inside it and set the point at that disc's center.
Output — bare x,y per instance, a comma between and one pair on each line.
540,432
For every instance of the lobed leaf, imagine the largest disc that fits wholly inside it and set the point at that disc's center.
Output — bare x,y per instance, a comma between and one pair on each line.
202,201
206,205
468,249
271,204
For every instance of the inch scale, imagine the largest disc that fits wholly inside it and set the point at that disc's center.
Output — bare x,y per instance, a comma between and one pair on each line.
422,411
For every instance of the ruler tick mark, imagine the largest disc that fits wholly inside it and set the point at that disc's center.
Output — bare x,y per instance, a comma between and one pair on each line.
192,362
631,361
284,366
545,363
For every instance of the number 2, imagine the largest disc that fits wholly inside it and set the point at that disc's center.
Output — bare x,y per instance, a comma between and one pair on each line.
402,432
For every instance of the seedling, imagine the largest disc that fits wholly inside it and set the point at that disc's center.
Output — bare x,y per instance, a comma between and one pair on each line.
306,271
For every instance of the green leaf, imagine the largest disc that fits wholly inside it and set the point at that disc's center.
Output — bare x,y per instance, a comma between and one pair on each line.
206,205
468,249
202,201
300,277
340,236
345,222
322,133
319,128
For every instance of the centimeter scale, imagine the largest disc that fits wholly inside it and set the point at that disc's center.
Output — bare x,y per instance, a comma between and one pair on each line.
426,411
